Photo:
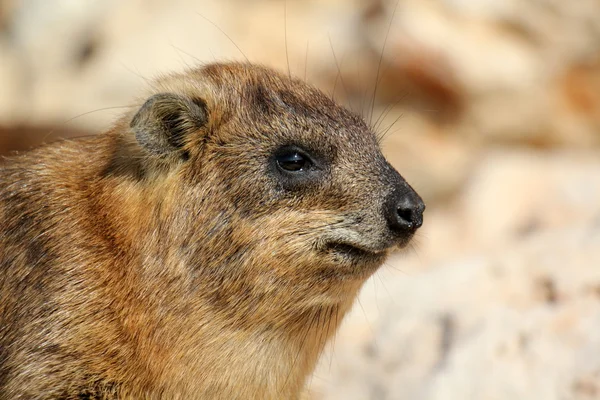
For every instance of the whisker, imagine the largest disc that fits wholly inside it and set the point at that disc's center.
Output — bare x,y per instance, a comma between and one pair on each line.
386,111
287,57
68,121
339,74
180,50
337,314
378,274
368,322
384,133
226,35
381,61
388,265
414,249
306,61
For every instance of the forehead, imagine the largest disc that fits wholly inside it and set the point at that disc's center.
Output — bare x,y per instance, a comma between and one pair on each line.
289,108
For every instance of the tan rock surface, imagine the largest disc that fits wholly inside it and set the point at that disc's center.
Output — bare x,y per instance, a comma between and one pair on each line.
493,311
498,296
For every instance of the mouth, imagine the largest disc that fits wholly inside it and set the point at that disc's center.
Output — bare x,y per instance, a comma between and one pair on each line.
355,252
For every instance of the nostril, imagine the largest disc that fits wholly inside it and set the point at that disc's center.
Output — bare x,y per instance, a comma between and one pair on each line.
409,215
405,216
404,212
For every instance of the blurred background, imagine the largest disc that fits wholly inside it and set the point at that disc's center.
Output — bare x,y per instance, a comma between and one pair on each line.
490,109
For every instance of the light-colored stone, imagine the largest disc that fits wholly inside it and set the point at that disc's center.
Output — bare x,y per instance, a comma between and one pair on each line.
435,160
99,55
521,323
515,71
513,194
498,296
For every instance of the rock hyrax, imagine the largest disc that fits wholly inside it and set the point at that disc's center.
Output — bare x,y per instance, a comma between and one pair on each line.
206,246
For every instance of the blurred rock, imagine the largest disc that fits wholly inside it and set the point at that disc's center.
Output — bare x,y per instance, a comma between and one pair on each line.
75,58
12,104
22,138
517,71
514,72
423,152
6,13
521,323
513,194
498,296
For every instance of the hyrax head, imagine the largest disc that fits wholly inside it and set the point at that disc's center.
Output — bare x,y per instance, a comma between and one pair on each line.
274,181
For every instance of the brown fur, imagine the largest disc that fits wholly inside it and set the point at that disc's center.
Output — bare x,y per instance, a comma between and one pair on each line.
183,268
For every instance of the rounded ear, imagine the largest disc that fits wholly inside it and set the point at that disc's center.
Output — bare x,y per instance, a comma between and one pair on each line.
163,123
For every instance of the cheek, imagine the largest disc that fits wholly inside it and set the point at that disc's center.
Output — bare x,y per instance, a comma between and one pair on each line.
256,192
293,232
343,195
245,185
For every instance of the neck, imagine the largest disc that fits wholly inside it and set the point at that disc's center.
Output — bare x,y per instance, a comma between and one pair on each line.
267,362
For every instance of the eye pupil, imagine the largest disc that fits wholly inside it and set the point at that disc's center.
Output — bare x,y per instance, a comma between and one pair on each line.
292,161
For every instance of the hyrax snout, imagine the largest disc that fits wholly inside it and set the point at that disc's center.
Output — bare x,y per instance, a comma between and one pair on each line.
207,246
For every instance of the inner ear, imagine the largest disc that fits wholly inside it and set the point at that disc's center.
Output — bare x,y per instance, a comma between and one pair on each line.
163,124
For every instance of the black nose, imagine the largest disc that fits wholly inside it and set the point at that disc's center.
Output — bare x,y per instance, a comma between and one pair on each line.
404,210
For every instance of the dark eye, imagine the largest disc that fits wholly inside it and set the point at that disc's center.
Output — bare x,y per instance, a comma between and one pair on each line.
295,168
292,161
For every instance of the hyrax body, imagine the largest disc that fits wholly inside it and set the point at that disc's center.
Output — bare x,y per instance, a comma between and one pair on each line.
205,247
